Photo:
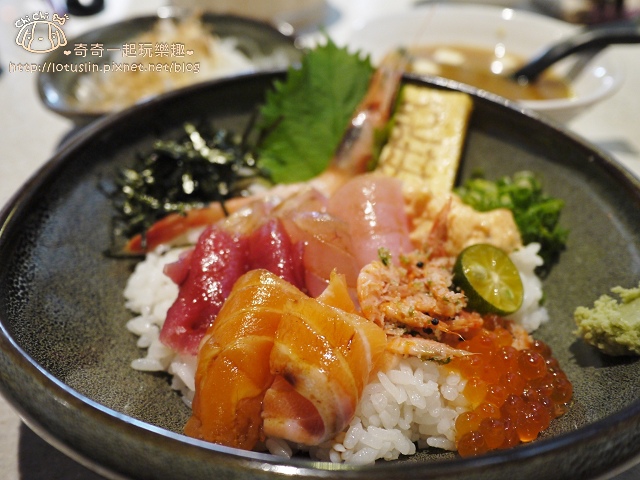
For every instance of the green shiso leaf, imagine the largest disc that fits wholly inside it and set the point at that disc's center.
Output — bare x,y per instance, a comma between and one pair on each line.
305,116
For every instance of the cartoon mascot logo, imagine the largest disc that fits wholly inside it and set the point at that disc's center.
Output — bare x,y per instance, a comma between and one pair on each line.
39,35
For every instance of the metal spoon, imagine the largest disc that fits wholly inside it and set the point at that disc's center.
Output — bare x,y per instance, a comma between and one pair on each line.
592,39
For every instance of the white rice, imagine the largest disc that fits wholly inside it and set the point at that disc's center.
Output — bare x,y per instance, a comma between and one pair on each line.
531,314
410,406
150,293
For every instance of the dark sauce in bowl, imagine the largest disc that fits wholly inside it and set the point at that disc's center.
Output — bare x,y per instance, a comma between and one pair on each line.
487,69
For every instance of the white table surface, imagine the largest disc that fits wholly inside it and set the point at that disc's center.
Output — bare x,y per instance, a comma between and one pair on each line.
29,135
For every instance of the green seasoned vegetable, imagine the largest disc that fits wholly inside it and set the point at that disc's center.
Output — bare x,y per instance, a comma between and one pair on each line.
201,167
612,326
305,117
536,214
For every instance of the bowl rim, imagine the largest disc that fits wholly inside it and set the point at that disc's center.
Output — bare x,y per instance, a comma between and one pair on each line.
585,435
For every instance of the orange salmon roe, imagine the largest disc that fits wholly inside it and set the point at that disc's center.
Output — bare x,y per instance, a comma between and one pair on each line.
514,394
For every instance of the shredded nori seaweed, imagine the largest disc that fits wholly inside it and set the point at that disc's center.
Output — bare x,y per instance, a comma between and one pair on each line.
202,166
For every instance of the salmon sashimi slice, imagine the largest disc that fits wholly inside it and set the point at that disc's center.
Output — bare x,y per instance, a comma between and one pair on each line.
290,414
279,363
326,355
233,370
337,294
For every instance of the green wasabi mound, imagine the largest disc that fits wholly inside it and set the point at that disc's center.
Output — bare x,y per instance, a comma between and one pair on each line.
612,326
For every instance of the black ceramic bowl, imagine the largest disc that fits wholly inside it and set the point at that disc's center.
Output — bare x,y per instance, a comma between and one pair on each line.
65,351
58,90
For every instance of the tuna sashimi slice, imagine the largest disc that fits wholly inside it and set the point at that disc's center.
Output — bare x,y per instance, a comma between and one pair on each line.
271,248
206,274
216,262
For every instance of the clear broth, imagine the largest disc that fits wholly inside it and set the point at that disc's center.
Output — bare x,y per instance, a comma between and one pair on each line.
486,69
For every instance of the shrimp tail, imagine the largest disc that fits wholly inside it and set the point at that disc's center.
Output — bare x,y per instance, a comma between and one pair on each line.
175,225
424,348
355,152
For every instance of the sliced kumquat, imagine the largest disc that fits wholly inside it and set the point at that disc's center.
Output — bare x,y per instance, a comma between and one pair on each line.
489,279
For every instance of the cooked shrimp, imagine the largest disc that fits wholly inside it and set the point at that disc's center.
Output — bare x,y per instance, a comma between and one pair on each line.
352,157
424,348
414,295
355,150
174,226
